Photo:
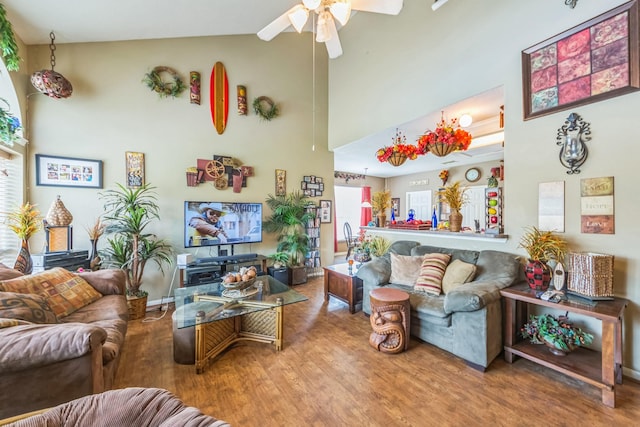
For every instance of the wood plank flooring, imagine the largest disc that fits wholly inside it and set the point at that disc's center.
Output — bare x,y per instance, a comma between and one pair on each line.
327,375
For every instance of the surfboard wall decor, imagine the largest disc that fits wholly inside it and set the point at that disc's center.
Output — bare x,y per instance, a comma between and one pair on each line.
219,97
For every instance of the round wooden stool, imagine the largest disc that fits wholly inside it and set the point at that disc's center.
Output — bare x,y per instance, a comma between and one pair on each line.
390,320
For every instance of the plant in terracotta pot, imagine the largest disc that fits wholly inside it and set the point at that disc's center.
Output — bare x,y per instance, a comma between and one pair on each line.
25,221
289,216
541,246
380,202
454,195
556,333
128,213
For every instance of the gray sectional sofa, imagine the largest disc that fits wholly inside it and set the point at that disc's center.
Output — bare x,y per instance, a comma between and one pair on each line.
467,321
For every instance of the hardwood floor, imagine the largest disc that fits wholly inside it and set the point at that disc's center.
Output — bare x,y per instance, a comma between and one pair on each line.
327,375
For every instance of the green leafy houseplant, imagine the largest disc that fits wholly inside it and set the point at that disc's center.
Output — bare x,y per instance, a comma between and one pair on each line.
8,45
128,213
555,332
379,245
9,124
288,219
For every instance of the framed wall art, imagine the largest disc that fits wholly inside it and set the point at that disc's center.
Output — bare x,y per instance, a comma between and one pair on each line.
325,211
135,169
57,171
596,60
312,186
395,205
281,182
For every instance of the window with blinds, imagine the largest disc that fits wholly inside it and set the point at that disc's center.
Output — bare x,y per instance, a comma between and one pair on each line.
10,197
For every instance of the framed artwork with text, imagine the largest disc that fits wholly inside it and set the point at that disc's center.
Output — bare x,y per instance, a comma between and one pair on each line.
596,60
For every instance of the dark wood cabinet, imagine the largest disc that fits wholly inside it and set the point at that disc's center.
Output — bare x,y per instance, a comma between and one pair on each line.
343,284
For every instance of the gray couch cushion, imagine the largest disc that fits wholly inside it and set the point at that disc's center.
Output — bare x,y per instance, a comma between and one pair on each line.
461,254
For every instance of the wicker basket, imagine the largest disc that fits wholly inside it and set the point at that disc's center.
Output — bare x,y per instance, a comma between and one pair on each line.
591,274
137,307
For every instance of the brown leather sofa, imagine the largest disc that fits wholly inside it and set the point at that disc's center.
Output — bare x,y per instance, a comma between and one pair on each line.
46,360
131,407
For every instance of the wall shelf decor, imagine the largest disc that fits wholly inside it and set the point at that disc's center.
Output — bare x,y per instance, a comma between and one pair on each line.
593,61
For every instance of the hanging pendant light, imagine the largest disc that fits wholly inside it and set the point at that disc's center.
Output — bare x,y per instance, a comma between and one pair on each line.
50,82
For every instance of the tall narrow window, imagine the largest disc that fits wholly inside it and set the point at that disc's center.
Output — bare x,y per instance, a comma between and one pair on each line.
347,209
10,199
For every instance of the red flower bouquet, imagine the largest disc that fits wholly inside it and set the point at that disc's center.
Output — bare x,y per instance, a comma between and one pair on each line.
399,146
450,134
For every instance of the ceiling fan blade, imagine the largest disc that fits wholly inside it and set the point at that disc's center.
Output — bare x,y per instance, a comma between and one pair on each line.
388,7
277,26
334,48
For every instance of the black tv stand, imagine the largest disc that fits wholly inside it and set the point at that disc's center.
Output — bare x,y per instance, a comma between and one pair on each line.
212,269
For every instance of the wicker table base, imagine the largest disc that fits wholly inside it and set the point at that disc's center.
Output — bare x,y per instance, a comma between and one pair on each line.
213,338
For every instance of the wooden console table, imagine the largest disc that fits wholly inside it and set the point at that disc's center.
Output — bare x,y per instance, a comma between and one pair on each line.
600,369
343,284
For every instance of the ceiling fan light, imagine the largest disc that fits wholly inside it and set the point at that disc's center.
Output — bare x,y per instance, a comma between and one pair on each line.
341,10
311,4
299,18
323,32
465,120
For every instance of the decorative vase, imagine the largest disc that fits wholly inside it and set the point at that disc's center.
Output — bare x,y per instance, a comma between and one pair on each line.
397,159
455,221
441,149
538,275
58,215
94,258
24,263
382,220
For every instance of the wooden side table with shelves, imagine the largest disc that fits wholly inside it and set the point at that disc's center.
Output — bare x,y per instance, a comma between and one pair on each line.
601,369
343,285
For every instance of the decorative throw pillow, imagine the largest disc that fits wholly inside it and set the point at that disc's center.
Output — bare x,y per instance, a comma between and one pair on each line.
29,307
431,273
405,269
64,291
458,273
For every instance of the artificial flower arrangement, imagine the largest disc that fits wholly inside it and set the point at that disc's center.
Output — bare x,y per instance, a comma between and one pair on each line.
555,332
446,133
399,146
444,176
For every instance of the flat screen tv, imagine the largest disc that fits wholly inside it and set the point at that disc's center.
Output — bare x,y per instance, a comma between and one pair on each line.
221,223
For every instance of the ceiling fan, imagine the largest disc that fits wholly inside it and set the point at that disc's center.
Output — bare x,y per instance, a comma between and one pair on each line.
327,11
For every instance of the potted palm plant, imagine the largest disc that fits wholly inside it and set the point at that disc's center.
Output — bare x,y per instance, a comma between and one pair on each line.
288,219
128,213
454,196
541,246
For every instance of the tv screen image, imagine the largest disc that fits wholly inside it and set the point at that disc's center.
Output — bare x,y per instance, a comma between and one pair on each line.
221,223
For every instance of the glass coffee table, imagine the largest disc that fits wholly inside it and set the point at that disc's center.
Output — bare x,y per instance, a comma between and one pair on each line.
222,317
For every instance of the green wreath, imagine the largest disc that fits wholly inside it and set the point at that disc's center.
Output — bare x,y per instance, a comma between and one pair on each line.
259,107
154,81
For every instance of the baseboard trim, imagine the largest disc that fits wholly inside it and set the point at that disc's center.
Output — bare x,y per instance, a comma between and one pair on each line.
628,372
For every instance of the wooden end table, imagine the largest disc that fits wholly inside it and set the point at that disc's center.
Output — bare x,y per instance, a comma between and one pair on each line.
343,284
600,369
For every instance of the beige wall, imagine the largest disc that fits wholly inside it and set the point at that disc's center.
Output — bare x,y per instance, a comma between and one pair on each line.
111,111
420,61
